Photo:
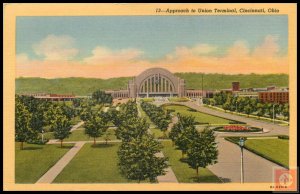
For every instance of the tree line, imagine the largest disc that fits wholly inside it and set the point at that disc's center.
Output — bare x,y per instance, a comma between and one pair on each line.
157,115
137,152
248,105
199,147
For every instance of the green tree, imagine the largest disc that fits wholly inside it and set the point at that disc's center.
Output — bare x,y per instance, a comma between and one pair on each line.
261,110
95,126
132,128
203,150
248,110
286,111
101,97
138,160
61,128
37,120
23,130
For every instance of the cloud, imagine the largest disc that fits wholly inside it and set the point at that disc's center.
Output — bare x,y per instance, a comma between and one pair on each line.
269,48
103,56
106,63
56,48
203,49
199,49
238,49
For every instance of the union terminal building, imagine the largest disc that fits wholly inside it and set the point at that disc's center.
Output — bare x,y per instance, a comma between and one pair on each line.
157,82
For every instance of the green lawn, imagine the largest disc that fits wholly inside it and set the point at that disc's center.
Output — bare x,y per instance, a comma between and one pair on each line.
147,99
35,160
199,116
79,135
276,150
93,165
75,120
157,132
183,172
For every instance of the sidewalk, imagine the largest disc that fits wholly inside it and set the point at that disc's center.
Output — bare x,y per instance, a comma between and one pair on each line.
52,173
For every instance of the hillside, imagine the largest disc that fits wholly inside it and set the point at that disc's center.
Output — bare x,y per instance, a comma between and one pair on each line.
85,86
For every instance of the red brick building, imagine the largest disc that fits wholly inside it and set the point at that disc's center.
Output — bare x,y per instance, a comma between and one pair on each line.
274,96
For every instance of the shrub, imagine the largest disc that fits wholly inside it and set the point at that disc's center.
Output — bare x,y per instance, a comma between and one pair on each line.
192,110
283,137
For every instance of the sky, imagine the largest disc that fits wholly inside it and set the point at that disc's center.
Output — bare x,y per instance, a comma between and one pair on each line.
119,46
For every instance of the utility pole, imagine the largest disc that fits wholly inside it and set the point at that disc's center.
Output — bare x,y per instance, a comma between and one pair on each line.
202,85
273,113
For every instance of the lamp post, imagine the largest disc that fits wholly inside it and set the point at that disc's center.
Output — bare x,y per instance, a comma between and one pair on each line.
236,106
273,113
241,143
43,136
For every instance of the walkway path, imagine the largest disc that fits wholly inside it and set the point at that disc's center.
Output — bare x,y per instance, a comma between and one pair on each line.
169,177
77,126
228,168
51,174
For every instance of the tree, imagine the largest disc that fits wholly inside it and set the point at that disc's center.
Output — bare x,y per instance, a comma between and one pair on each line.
61,128
138,160
23,130
163,126
185,138
95,126
203,150
261,110
101,97
37,119
248,110
286,111
226,106
132,128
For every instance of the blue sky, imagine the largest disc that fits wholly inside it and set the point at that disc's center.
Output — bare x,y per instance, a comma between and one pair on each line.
155,35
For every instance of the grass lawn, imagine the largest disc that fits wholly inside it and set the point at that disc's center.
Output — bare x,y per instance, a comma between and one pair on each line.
93,165
147,99
75,120
199,116
35,160
183,172
79,135
276,150
157,132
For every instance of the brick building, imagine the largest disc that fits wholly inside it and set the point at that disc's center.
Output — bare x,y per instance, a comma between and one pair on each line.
274,96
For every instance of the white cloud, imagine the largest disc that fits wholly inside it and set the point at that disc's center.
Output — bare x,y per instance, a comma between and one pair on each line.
203,49
104,55
56,47
268,48
22,58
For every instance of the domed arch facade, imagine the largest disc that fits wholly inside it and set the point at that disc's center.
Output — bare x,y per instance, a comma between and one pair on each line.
156,82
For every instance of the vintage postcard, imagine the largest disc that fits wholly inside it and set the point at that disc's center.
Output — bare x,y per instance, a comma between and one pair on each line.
150,97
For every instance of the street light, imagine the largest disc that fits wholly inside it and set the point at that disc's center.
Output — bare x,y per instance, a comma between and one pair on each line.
273,114
241,143
43,136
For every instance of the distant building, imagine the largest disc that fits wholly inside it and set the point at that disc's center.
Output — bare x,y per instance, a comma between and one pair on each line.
274,96
235,86
52,97
191,93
